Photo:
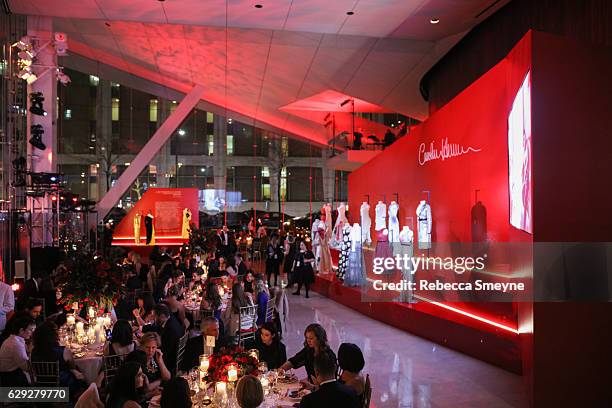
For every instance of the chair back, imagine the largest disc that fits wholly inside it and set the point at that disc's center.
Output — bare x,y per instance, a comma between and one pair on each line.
111,366
180,351
367,393
270,309
45,373
247,324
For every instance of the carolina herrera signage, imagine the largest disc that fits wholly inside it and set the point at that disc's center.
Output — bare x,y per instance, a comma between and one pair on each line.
445,151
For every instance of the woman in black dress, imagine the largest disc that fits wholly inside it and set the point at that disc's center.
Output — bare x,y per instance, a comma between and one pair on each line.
315,343
274,257
302,268
271,350
290,251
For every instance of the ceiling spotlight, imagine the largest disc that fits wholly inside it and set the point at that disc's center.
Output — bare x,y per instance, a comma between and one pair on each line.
24,43
350,13
434,20
181,132
31,79
259,6
60,41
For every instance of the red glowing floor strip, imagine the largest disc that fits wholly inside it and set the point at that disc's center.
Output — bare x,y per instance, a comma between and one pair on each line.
467,314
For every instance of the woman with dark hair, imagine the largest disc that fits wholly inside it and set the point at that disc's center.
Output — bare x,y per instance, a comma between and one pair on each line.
315,343
212,300
290,249
271,350
249,282
13,352
303,272
47,348
143,312
122,339
249,392
124,390
274,255
176,394
351,362
230,267
176,308
231,314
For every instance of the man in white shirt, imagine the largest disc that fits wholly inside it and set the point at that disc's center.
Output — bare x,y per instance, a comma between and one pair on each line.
7,303
13,353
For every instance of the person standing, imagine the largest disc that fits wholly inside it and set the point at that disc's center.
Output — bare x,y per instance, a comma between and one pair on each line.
7,303
303,268
290,251
273,260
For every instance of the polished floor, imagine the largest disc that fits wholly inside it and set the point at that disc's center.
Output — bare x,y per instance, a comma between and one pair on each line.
405,370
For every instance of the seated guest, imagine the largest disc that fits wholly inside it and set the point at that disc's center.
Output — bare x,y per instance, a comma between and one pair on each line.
122,339
261,297
170,330
231,267
212,300
214,271
47,348
249,282
315,344
176,308
196,346
143,313
155,367
176,394
271,350
13,352
240,265
249,392
330,393
126,386
32,309
350,360
231,315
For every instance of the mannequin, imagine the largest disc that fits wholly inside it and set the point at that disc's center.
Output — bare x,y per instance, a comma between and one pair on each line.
344,251
406,237
149,220
366,222
354,275
186,222
336,241
316,241
423,213
393,222
325,230
137,220
383,250
381,215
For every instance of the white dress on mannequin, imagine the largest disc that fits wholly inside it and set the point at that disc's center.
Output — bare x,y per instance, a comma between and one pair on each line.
341,221
394,227
381,216
423,213
316,241
406,247
366,222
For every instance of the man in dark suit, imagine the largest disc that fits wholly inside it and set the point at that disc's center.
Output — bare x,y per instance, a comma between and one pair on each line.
240,265
170,331
197,346
31,289
330,393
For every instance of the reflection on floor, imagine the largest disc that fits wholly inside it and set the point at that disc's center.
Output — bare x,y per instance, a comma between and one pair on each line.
405,370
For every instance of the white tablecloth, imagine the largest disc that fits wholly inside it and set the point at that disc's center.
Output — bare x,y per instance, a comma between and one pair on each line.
90,365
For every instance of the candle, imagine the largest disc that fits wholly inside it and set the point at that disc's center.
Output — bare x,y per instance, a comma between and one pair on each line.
80,327
232,374
91,313
221,388
91,333
264,382
204,362
107,321
70,320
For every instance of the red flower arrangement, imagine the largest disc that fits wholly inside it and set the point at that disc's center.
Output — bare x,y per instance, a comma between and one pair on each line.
89,280
222,360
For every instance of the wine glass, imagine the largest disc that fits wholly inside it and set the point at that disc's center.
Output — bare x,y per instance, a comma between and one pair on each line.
262,367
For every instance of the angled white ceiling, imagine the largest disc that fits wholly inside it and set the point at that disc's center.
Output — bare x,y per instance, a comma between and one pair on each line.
255,61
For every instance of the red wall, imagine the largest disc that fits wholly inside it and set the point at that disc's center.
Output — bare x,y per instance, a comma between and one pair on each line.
166,205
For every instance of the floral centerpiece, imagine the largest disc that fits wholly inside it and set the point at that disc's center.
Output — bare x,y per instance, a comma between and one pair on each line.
222,360
89,280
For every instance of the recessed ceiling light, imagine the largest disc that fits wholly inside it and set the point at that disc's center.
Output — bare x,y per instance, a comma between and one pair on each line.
350,13
258,6
434,20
